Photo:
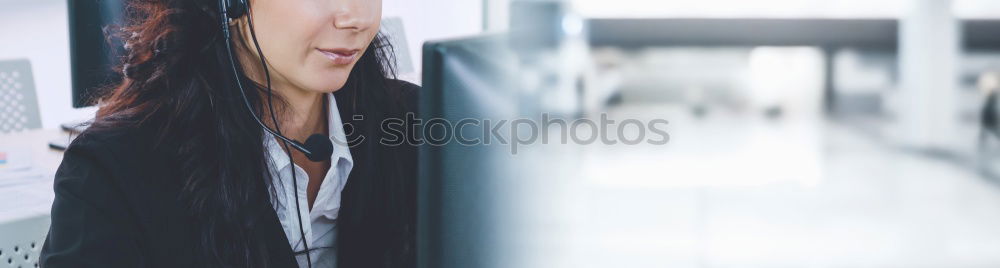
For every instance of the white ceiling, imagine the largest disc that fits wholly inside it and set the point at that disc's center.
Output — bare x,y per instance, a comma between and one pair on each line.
771,8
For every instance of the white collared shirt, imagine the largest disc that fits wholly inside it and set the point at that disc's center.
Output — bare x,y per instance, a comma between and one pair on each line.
322,220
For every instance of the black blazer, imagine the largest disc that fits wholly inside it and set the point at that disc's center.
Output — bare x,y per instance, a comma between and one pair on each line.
114,207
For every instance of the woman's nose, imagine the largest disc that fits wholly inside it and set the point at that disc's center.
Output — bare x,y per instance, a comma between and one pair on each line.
355,15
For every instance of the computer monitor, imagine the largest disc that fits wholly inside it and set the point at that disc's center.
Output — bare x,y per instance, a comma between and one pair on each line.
94,51
458,185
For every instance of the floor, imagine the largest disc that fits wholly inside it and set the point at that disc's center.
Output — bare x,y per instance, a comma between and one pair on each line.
755,193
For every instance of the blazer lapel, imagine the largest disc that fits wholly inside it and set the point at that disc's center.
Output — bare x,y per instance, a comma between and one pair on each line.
277,244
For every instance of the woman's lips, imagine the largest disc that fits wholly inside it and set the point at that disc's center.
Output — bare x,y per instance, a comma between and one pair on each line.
339,56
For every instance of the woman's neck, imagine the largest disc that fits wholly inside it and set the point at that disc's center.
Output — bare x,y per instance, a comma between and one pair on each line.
303,113
300,113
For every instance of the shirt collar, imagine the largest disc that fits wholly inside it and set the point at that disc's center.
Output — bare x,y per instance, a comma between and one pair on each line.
341,152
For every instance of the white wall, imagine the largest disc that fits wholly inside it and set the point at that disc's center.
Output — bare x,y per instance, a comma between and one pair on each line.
772,8
929,51
434,20
499,15
38,30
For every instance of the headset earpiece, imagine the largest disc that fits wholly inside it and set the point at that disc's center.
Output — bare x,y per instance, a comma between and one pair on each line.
235,8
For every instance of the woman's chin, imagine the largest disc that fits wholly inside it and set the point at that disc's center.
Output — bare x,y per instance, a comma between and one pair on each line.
328,86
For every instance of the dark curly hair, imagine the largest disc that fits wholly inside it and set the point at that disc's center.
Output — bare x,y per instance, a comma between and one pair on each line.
176,75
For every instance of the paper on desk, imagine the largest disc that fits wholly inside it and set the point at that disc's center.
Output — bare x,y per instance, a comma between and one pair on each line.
24,176
25,188
14,159
16,168
25,200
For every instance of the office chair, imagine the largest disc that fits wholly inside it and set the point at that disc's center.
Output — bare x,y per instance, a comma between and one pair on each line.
394,29
22,240
18,100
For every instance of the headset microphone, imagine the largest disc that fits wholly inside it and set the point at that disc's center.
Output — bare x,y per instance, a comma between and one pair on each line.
317,148
320,148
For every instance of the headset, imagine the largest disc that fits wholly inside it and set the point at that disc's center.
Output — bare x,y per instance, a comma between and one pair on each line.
317,147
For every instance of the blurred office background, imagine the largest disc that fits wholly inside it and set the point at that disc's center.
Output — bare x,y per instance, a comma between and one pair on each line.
803,134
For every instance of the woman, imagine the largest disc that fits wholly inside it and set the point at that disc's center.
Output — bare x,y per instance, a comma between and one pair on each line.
989,124
175,171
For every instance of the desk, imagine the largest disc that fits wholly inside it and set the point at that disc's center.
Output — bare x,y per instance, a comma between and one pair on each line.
38,142
25,206
31,199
